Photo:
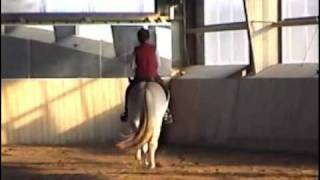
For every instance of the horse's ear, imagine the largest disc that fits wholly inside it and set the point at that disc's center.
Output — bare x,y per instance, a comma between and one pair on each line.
175,72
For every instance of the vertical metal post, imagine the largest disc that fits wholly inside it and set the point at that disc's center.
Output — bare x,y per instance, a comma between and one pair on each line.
186,55
199,22
29,56
252,69
100,59
279,32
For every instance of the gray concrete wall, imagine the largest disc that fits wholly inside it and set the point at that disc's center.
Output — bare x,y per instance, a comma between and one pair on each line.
104,49
30,33
55,61
15,57
22,58
203,110
280,114
266,114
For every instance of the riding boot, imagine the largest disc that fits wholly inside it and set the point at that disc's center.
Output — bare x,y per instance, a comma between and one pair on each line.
124,115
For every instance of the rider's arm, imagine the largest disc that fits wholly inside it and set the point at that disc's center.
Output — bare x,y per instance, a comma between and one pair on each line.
133,62
129,62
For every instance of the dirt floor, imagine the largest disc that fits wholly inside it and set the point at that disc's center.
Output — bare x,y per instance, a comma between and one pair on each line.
91,163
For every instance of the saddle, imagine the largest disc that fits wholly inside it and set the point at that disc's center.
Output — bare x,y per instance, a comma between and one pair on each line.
154,79
168,116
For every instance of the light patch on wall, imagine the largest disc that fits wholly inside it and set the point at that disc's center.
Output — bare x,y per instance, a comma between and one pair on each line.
164,42
27,119
83,105
20,106
59,110
4,138
67,111
27,91
43,27
101,32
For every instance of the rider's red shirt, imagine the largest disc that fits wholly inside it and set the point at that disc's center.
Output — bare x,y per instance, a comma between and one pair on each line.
146,61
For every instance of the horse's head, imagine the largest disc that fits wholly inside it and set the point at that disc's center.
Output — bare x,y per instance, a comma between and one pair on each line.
176,72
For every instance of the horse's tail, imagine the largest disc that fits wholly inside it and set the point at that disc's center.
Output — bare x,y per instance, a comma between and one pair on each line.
145,131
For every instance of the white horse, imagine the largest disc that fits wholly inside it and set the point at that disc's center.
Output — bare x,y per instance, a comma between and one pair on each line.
147,104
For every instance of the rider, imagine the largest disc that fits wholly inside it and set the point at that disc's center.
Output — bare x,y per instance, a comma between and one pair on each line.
146,66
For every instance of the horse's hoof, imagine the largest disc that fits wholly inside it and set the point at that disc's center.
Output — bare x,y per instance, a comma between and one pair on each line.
146,163
138,158
153,166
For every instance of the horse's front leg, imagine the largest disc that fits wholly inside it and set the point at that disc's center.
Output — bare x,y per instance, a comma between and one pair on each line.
144,151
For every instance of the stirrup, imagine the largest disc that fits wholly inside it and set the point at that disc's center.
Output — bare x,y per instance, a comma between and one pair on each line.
167,118
124,117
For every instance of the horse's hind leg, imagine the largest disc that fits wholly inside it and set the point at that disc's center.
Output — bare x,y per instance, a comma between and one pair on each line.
141,152
152,152
153,145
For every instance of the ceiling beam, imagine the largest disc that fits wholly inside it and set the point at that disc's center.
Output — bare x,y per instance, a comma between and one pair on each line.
218,27
87,18
312,20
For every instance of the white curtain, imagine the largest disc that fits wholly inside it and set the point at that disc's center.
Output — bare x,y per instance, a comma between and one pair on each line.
300,43
299,8
223,11
227,47
164,42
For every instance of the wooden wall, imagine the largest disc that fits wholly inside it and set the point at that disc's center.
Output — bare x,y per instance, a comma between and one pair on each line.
61,111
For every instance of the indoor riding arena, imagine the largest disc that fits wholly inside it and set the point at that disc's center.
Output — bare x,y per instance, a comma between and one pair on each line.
217,89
